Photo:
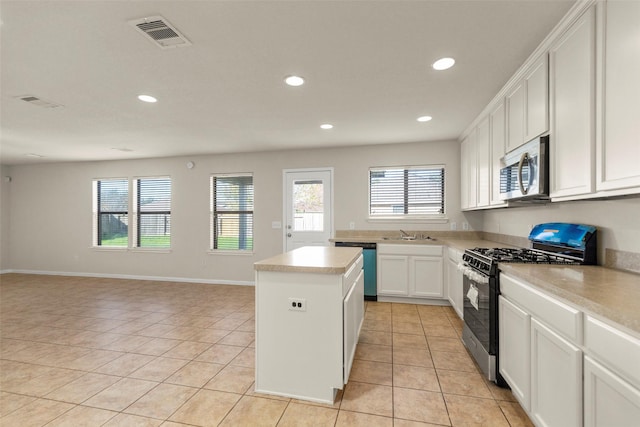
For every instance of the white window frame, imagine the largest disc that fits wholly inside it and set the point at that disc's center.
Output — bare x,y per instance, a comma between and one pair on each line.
431,218
212,224
134,218
95,227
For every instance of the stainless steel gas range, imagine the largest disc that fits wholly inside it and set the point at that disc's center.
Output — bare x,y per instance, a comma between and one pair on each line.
551,243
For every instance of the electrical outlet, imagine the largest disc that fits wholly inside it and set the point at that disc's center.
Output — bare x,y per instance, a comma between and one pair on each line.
453,226
352,225
297,304
465,226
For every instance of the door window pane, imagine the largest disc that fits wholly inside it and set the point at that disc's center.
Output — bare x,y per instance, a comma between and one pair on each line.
308,205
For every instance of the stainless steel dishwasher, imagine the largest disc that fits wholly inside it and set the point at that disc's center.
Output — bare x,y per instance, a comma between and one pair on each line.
370,267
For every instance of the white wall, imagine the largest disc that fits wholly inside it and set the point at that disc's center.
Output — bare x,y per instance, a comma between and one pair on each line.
50,208
5,198
616,220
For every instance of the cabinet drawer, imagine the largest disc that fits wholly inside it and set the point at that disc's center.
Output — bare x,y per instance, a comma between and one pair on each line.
561,317
351,275
618,350
409,249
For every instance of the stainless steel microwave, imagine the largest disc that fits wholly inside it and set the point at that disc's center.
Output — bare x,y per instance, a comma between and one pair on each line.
524,171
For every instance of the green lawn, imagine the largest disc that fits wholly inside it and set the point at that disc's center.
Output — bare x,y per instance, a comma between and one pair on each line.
145,241
231,243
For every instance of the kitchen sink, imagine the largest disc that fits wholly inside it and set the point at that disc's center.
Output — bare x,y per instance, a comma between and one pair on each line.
410,238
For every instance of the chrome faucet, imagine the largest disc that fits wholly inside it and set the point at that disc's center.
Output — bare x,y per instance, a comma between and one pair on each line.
404,233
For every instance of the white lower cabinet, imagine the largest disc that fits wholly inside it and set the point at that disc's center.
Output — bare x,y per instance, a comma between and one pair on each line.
454,281
566,367
556,379
515,350
608,399
410,271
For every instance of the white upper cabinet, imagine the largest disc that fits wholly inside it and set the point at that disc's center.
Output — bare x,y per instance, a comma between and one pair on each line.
497,144
572,101
618,145
469,172
483,164
528,105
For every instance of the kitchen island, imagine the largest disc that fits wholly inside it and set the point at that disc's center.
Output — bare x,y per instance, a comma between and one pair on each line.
309,311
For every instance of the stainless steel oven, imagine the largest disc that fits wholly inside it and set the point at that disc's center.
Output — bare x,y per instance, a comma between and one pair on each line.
524,172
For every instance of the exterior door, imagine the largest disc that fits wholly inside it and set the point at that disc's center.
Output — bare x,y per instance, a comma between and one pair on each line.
308,215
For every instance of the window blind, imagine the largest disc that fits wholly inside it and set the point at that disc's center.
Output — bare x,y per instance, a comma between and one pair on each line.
111,212
232,212
153,212
414,191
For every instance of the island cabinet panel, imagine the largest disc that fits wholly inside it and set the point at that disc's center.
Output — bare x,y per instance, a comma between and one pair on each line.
307,328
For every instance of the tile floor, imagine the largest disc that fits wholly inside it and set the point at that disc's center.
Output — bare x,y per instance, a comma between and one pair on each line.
78,351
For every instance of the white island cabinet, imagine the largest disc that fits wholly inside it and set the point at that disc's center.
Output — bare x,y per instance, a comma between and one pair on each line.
309,311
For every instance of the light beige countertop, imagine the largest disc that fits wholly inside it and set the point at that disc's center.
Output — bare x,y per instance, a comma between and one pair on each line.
311,259
612,294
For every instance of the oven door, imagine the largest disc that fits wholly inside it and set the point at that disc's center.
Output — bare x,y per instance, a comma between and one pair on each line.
480,309
477,308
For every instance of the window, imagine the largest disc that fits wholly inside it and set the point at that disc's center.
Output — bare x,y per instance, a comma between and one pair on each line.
152,209
406,192
111,212
231,211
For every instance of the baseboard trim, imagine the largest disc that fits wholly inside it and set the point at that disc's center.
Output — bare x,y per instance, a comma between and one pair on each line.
132,277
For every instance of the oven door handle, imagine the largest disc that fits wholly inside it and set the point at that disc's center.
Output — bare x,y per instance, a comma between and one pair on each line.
472,274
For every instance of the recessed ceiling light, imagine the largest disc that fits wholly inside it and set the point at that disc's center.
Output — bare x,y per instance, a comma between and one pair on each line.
326,126
294,80
443,64
123,149
38,156
147,98
424,118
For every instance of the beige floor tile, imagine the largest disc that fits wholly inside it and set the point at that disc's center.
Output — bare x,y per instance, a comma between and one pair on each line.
94,359
367,371
445,344
412,356
48,381
157,346
159,369
397,422
156,330
499,393
302,415
83,416
373,352
375,337
195,374
125,364
515,414
434,320
246,358
121,394
206,408
187,350
238,338
10,402
416,377
129,343
455,361
368,398
219,353
81,389
356,419
463,383
255,411
409,341
377,324
128,420
447,331
36,414
209,335
234,379
161,401
408,327
419,405
465,411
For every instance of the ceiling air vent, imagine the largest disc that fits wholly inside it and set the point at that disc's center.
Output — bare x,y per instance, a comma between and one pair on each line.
37,101
160,32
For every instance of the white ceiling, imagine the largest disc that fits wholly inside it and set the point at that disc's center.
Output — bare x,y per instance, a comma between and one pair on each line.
366,63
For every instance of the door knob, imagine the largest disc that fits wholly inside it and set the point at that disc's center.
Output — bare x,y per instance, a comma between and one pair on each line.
288,234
